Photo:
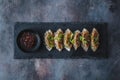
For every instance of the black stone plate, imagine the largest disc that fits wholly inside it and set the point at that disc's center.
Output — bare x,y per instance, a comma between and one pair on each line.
42,52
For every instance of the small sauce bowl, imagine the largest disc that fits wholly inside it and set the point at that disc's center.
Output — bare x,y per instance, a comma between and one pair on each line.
28,41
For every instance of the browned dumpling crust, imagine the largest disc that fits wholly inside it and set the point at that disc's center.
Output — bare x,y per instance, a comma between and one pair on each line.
59,39
76,39
49,39
85,39
94,40
67,37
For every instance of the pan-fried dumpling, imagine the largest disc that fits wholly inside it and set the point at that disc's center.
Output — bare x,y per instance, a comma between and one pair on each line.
67,37
85,39
49,40
94,40
75,41
59,39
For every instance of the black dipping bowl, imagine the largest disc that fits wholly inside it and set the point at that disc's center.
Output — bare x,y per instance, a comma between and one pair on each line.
35,40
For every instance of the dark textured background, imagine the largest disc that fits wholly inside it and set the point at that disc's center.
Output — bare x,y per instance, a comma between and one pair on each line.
59,11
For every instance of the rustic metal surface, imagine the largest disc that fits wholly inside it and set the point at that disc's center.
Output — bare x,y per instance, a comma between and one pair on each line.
12,11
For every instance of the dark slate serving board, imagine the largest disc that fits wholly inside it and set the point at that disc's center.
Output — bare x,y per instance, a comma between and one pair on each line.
42,52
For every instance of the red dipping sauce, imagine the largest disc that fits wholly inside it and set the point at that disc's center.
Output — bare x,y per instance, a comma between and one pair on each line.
28,41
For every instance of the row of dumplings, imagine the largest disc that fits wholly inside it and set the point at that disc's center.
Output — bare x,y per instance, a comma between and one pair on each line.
67,40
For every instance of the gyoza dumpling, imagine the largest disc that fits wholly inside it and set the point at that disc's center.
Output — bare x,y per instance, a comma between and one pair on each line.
76,39
49,39
67,37
59,39
85,39
94,40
